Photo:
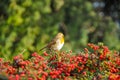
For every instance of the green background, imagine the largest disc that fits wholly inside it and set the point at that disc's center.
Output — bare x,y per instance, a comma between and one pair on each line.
28,25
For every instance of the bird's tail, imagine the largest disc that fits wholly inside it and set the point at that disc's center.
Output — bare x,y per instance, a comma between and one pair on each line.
43,48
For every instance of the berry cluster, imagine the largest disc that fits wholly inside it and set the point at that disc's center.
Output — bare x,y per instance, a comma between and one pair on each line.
95,63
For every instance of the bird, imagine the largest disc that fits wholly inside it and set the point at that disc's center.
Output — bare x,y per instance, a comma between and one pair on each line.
56,43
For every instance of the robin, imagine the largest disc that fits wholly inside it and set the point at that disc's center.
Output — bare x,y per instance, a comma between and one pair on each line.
56,43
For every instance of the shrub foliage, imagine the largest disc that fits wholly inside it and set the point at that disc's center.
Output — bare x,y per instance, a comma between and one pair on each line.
95,63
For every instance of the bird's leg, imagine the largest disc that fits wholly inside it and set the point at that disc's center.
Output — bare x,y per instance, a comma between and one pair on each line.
58,56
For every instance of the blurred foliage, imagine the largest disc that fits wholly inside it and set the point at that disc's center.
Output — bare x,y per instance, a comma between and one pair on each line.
30,24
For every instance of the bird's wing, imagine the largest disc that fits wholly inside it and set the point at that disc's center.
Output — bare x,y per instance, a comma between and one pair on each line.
49,45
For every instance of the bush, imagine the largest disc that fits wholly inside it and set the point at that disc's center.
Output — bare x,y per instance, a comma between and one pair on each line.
95,63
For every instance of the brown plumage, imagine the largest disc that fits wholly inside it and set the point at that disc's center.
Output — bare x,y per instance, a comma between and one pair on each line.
56,44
